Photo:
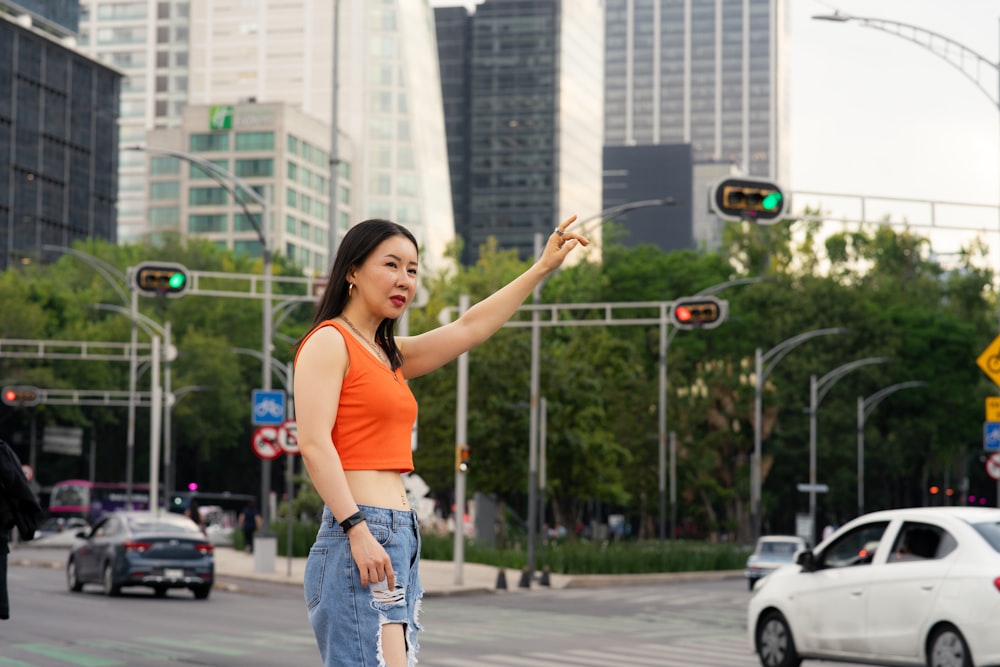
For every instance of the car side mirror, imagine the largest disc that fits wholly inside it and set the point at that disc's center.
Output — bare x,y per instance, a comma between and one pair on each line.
807,560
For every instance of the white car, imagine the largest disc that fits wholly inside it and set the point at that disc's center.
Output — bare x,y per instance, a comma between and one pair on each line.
914,586
770,553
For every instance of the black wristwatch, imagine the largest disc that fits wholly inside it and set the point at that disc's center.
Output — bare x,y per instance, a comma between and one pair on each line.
352,521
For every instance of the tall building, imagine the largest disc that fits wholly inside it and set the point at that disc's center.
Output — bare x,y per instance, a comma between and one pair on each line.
532,117
710,73
273,148
148,42
389,95
58,138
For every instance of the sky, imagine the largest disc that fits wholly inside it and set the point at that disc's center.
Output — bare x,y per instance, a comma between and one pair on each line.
875,115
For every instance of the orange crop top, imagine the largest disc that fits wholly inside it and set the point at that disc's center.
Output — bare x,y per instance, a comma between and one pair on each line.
376,412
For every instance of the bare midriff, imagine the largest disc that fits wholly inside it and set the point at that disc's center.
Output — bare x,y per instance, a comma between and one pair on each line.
378,488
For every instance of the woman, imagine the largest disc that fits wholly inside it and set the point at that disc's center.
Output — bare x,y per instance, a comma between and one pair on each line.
355,413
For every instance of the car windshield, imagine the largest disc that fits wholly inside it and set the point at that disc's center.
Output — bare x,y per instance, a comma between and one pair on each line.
784,550
162,525
990,532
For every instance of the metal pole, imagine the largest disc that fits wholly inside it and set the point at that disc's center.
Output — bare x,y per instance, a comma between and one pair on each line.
168,399
333,241
130,433
536,344
289,469
662,418
461,425
673,485
265,472
755,467
542,437
155,417
812,460
861,456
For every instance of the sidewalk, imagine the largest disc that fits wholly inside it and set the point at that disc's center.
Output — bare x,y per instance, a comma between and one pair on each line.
437,577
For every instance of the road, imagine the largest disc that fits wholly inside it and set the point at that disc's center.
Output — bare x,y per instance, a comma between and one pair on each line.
684,624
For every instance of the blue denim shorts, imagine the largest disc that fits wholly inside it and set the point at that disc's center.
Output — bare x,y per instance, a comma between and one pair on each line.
346,617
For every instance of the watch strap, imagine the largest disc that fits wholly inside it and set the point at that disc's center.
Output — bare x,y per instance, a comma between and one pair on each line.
352,521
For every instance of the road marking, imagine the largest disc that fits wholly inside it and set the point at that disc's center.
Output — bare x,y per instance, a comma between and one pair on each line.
68,655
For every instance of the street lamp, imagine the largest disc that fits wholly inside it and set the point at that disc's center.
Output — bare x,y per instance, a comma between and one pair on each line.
817,391
764,363
230,182
865,407
970,63
536,344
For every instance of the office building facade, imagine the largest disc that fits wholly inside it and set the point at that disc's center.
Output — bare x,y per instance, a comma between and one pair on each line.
532,118
58,141
709,73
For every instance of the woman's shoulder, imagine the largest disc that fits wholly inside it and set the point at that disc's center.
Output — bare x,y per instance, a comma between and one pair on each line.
322,339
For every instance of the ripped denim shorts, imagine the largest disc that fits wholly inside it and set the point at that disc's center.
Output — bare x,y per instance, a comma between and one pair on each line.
346,617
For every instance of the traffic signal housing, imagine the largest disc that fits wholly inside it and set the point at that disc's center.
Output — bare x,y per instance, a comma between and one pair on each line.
750,199
161,279
461,458
21,396
698,312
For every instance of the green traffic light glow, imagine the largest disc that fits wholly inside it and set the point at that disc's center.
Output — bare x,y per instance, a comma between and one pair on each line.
771,201
177,281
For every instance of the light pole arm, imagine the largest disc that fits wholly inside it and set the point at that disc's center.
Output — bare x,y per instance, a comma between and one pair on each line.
970,63
771,358
872,401
107,271
148,325
824,384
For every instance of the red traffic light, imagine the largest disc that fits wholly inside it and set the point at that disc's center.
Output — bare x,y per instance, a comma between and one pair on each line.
706,312
21,396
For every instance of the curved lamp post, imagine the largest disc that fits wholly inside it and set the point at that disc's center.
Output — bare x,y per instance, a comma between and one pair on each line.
817,391
865,407
764,363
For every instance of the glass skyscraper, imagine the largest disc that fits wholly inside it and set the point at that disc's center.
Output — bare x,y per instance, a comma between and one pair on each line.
710,73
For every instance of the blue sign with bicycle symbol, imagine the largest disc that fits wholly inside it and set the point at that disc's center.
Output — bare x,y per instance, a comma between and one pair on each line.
268,407
991,436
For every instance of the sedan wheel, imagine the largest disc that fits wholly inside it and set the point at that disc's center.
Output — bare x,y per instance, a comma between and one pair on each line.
72,579
947,648
110,587
775,644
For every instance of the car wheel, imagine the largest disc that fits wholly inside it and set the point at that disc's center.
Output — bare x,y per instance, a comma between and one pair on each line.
110,587
775,644
947,648
72,579
160,591
201,592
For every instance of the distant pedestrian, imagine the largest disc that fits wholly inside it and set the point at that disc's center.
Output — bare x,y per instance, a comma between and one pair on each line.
250,522
18,507
355,415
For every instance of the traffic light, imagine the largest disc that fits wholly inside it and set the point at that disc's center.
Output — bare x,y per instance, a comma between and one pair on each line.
161,279
698,312
461,458
21,396
748,199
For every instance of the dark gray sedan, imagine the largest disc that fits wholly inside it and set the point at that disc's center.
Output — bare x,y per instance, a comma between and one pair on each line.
159,551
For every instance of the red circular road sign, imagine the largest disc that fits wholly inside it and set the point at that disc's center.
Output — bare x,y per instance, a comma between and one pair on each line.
265,443
993,465
288,437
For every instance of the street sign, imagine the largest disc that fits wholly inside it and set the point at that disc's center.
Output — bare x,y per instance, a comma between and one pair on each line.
818,488
288,437
993,408
268,407
991,436
989,361
993,466
265,443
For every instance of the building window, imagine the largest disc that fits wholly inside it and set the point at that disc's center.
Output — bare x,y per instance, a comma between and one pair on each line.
244,224
205,224
250,168
207,197
255,141
196,172
164,216
164,190
159,166
201,143
247,248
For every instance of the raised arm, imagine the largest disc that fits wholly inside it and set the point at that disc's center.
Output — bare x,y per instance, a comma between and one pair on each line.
433,349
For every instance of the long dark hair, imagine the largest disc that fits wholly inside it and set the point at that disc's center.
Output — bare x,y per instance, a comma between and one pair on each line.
357,245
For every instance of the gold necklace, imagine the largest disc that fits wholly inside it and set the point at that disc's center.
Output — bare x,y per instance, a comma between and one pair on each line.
377,349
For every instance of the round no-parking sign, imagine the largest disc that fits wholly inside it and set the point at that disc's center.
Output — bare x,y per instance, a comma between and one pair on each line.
993,465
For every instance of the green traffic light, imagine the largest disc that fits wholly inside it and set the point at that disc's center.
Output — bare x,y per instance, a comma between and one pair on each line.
176,281
771,201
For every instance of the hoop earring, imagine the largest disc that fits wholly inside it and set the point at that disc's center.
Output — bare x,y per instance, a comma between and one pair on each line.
350,290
